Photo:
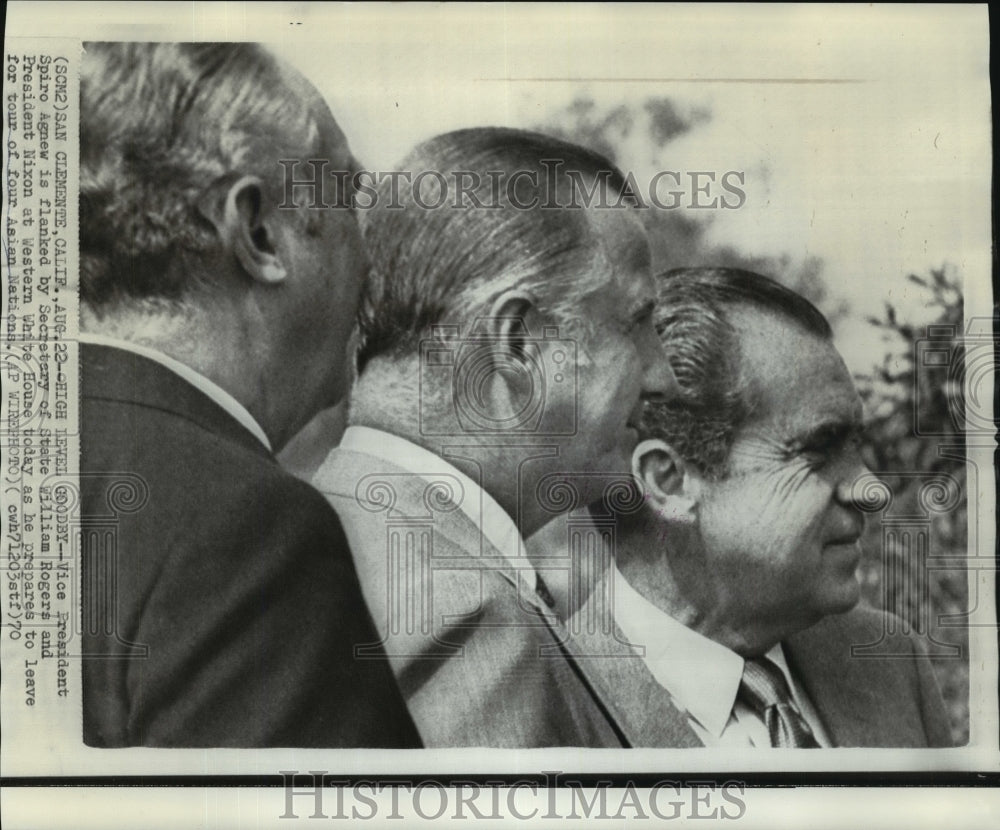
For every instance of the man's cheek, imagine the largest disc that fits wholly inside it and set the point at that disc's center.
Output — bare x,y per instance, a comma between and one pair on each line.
787,504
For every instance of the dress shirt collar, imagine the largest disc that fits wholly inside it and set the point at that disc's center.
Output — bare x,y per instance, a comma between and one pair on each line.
196,379
702,676
482,509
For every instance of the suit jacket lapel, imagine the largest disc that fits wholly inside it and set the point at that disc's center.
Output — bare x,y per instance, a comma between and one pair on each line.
854,697
642,708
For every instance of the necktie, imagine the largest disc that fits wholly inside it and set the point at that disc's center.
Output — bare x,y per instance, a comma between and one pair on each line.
765,691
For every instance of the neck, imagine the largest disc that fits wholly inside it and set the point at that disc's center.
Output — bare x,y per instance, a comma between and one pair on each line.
217,343
387,396
660,563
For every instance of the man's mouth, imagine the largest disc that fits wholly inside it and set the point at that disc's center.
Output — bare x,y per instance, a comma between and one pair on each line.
850,539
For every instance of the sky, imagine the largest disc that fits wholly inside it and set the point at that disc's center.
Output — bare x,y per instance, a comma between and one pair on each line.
863,132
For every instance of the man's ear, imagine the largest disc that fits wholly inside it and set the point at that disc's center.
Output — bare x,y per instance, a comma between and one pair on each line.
514,319
242,220
663,475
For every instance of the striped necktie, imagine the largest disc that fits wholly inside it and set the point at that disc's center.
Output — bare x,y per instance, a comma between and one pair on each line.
765,691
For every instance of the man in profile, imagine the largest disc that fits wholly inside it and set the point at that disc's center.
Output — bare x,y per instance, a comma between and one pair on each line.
735,581
221,607
506,349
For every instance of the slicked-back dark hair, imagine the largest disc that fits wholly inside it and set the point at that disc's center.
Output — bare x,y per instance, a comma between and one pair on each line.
692,319
447,263
159,123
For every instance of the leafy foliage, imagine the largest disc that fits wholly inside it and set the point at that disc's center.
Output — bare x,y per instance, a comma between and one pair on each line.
915,442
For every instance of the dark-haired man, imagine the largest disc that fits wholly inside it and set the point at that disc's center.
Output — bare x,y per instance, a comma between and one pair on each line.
735,581
221,607
506,350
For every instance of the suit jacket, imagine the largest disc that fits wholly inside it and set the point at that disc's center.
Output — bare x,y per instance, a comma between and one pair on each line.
861,701
480,658
220,602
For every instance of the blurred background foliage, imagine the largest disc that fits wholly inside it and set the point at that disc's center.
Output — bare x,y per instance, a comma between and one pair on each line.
915,405
915,441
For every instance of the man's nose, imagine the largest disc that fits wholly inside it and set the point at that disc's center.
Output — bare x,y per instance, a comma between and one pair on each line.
847,492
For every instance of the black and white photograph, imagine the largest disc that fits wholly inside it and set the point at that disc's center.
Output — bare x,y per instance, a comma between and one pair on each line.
552,414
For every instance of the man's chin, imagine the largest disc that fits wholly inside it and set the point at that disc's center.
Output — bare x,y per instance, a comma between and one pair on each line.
844,597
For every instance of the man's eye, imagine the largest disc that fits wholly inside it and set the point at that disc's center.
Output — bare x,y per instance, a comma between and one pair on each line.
816,454
827,446
821,447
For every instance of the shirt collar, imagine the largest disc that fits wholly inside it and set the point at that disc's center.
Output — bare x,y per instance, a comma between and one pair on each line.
482,509
702,676
196,379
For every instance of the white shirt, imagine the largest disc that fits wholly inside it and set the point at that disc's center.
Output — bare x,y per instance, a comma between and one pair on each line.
494,522
196,379
702,676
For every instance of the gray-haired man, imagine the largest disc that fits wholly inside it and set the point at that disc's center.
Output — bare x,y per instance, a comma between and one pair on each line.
222,607
506,351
